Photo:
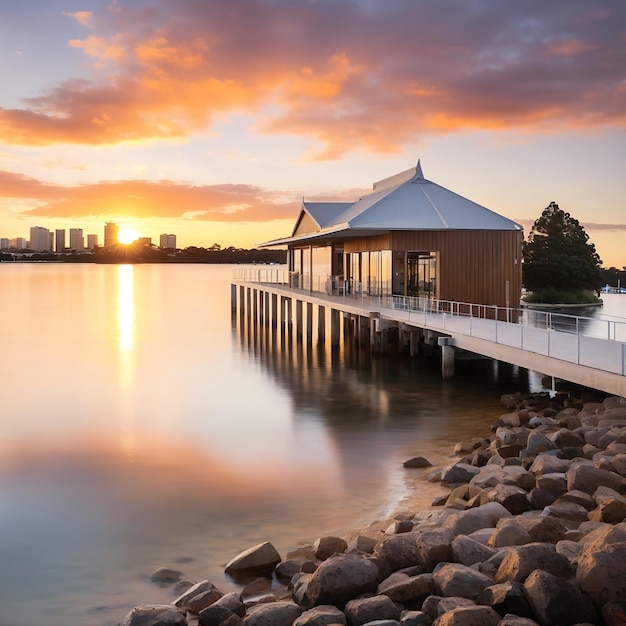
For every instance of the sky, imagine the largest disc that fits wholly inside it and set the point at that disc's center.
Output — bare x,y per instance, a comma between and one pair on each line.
212,119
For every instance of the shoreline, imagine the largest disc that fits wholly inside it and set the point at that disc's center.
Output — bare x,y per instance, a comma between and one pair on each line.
525,515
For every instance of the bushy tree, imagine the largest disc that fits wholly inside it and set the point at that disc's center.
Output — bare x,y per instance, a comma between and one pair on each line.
558,254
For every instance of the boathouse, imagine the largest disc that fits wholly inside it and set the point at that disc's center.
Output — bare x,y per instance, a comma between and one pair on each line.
408,237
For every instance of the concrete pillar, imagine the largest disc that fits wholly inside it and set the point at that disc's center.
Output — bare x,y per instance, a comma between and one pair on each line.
233,298
274,311
242,295
309,322
321,324
298,321
372,335
447,362
255,306
334,327
384,341
414,341
261,305
248,301
266,303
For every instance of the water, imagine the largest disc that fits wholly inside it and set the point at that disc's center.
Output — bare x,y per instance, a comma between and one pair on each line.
141,428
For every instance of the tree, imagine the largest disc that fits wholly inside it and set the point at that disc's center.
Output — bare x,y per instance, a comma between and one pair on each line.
558,255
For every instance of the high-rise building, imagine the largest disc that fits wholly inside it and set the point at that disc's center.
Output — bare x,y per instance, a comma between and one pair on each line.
167,241
59,240
4,243
92,242
39,239
77,240
20,243
111,232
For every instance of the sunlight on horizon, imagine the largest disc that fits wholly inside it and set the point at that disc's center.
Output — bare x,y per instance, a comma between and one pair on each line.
127,235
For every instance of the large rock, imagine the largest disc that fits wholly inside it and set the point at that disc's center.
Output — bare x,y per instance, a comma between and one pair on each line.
198,589
468,551
233,602
506,598
323,615
342,578
614,613
364,610
398,550
469,616
454,579
485,516
166,576
542,528
327,546
556,602
262,557
538,443
513,499
458,473
611,510
216,615
602,574
154,615
273,614
415,618
412,591
549,464
434,547
520,561
514,620
509,535
588,478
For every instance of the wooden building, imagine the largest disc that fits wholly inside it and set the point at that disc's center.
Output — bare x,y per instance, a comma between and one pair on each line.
408,237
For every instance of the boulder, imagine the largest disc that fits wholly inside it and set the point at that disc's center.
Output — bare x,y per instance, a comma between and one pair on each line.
485,516
618,464
287,569
556,602
579,497
614,613
434,547
233,602
542,528
154,615
509,535
611,510
417,462
602,574
514,620
513,499
342,578
203,599
469,616
273,614
549,464
412,591
327,546
262,557
451,603
458,473
323,615
215,615
364,610
454,579
538,443
541,498
588,478
398,550
468,551
362,543
508,597
520,561
567,511
415,618
185,598
166,576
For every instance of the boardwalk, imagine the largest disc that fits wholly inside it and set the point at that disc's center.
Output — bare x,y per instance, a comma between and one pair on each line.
586,351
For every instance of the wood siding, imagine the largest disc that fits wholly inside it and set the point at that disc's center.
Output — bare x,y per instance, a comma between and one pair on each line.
474,266
367,244
305,225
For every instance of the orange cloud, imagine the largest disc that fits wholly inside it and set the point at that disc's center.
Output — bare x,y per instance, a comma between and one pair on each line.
392,73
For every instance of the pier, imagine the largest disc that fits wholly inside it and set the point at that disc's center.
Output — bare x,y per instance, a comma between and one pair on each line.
586,351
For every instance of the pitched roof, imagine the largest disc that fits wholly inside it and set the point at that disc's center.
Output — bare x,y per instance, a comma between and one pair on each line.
405,201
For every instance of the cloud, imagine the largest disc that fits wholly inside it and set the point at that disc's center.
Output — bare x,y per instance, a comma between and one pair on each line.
140,199
84,18
348,75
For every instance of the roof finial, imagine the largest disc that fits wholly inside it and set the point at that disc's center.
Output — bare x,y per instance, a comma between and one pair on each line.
418,170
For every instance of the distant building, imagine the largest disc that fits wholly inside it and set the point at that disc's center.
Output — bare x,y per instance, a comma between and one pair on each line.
167,241
143,242
111,233
77,240
40,239
20,243
4,243
59,240
92,242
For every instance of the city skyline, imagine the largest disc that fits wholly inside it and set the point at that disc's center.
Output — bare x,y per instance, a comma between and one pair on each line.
213,120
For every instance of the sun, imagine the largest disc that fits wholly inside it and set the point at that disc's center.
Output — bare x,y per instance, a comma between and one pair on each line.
127,235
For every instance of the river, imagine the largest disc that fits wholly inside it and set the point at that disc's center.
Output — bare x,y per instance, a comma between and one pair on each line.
142,428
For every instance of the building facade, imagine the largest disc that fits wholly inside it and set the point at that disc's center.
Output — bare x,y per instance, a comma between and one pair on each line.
40,240
111,234
92,242
167,241
59,240
77,239
409,237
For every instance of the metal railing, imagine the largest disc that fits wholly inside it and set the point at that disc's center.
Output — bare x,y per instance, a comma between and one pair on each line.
595,341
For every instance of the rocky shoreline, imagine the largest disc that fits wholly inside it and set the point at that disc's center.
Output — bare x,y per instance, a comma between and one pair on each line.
530,530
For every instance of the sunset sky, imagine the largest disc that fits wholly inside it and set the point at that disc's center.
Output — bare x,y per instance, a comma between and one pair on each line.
211,119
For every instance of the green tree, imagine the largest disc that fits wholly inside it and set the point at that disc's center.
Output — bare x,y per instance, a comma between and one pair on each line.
559,256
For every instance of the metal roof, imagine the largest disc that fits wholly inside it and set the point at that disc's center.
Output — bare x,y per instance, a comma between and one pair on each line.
405,201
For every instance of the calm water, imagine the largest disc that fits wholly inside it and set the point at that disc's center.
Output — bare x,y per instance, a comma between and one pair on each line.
142,427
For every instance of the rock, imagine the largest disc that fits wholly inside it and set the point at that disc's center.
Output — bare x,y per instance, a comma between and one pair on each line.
569,549
549,464
418,462
262,557
541,498
154,615
509,535
601,536
256,587
454,579
166,576
512,498
557,602
602,574
520,561
614,613
327,546
508,597
399,526
287,569
538,443
300,588
514,620
273,614
364,610
434,547
469,616
541,528
362,543
578,497
398,550
468,551
323,615
412,591
458,473
183,600
485,516
451,603
342,578
618,464
588,478
203,600
567,511
215,615
303,552
233,602
611,510
415,618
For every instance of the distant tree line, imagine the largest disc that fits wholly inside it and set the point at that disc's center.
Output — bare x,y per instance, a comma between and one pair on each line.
141,253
